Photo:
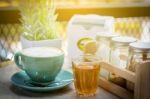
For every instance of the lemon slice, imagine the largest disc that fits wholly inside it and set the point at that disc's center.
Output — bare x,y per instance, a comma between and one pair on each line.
90,47
81,43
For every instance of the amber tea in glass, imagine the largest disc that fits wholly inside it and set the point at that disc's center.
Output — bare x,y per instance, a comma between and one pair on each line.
86,74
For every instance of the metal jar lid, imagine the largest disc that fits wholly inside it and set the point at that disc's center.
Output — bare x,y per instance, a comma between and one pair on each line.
140,46
105,36
123,40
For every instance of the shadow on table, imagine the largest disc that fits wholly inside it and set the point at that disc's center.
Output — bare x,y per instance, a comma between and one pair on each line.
26,93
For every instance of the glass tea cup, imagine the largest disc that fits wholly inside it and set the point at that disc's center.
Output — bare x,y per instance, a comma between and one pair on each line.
86,70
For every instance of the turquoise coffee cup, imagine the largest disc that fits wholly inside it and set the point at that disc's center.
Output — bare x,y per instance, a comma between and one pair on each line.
41,64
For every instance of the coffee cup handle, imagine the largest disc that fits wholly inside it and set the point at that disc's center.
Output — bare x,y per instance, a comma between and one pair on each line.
17,60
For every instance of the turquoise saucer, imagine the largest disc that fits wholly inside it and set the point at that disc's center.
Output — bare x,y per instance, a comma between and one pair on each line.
20,79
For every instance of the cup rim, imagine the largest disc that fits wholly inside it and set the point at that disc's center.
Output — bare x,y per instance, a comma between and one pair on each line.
61,52
76,58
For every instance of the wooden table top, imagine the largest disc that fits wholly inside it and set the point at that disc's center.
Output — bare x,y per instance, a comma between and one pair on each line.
8,91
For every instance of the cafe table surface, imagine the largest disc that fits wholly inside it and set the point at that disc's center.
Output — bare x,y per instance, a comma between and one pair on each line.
9,91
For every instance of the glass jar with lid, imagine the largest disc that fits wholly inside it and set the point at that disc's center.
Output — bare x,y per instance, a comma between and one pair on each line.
119,50
103,42
138,52
103,49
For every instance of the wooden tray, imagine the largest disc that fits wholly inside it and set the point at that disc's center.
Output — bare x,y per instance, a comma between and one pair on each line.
143,72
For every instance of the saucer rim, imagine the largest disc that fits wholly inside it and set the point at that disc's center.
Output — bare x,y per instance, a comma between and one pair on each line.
37,88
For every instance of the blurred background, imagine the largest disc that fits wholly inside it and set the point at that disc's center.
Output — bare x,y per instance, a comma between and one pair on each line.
132,18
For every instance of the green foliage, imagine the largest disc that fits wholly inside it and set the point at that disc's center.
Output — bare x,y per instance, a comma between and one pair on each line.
38,19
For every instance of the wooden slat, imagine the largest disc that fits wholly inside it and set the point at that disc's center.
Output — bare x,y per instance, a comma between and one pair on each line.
142,86
115,89
11,15
118,71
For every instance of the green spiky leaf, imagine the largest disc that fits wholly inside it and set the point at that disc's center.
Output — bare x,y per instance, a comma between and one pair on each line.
38,19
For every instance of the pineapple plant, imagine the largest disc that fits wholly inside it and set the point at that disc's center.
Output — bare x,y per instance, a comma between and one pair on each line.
38,18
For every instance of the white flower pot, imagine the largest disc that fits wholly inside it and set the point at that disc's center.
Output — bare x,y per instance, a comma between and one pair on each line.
50,43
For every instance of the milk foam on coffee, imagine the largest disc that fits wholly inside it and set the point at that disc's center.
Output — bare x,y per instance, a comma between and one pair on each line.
42,52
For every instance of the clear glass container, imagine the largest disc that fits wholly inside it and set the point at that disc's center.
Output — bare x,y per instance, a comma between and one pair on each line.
119,49
86,74
138,52
103,42
103,51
